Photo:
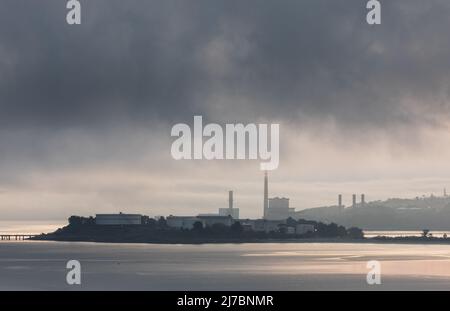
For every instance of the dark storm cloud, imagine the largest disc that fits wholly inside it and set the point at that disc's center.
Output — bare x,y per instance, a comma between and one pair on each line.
147,61
85,111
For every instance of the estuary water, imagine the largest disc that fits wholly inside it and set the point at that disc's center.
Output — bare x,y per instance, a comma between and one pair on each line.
41,265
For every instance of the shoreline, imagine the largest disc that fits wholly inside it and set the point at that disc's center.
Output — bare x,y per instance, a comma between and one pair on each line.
372,240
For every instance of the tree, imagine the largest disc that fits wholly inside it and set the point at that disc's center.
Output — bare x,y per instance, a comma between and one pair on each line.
151,223
236,228
198,226
425,232
291,222
355,233
341,231
75,221
162,223
331,230
219,228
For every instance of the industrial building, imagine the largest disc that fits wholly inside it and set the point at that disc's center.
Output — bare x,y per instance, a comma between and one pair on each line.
118,219
275,208
182,222
266,195
279,209
230,211
226,212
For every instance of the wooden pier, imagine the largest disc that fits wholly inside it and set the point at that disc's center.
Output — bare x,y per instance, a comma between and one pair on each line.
17,237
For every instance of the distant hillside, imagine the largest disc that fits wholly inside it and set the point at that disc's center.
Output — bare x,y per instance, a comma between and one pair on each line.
393,214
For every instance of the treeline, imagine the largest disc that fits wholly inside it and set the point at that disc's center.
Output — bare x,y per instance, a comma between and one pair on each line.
85,229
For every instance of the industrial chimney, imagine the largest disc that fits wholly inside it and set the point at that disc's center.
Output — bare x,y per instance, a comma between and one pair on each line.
266,195
340,200
230,202
354,200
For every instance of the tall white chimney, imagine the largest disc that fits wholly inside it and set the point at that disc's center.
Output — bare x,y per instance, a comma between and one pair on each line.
266,195
230,202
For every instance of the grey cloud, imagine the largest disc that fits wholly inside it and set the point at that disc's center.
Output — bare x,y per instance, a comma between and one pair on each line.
167,60
102,96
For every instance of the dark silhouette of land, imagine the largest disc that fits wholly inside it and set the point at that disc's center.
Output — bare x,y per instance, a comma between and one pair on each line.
157,231
84,229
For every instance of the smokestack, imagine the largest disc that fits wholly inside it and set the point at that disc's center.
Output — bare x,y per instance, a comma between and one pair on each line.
266,195
363,200
340,200
354,200
230,202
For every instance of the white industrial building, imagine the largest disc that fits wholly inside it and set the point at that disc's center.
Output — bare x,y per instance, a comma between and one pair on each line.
226,212
278,209
118,219
230,211
275,208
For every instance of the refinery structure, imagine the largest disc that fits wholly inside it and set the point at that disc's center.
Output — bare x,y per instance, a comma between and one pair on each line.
278,216
275,208
275,213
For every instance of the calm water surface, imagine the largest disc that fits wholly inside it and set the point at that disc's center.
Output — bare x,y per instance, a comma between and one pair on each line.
292,266
26,265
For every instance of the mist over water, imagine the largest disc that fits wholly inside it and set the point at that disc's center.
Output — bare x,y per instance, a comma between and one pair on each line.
30,227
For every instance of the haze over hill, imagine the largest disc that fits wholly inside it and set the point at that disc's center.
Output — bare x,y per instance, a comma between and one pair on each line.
393,214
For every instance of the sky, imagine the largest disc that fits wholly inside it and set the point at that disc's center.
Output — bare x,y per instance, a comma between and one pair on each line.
87,110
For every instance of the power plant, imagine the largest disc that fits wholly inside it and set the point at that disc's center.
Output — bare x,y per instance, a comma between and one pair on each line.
266,195
354,203
275,208
230,202
230,211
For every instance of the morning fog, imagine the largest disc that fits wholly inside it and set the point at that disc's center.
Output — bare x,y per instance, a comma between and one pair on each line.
234,142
